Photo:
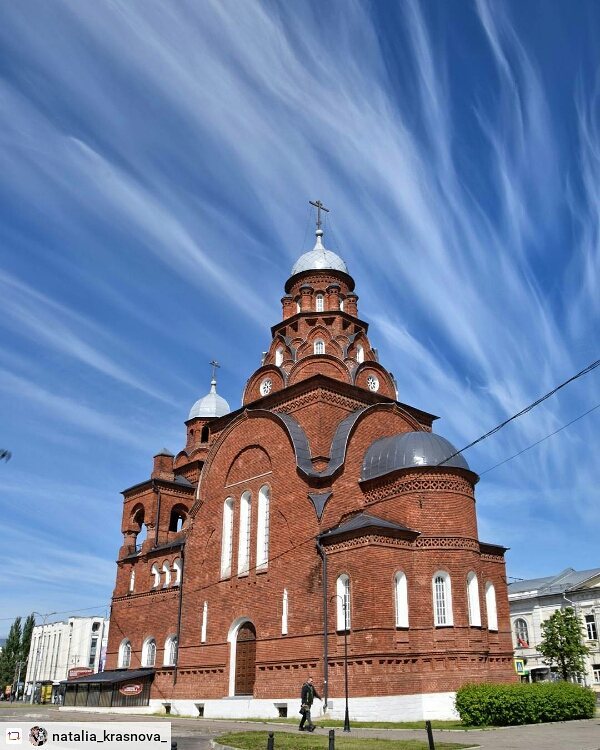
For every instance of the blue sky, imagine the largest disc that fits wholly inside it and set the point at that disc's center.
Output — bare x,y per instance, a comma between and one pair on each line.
156,160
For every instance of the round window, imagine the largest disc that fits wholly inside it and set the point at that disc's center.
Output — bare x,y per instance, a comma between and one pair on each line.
372,383
266,386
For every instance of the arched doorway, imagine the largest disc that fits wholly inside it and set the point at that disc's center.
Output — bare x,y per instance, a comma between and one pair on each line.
245,659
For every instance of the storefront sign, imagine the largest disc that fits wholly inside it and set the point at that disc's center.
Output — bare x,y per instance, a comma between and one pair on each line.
76,672
133,688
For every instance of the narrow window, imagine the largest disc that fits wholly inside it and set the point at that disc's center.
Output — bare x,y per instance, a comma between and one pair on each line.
360,354
177,518
442,599
319,303
177,571
244,541
171,651
156,573
204,623
284,613
205,434
592,630
319,346
279,356
227,540
521,633
342,590
342,305
297,307
473,600
262,532
167,571
125,654
490,605
149,652
596,668
132,581
401,599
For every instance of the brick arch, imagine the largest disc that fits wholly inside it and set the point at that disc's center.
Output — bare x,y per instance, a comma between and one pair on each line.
386,386
319,364
252,389
250,462
137,518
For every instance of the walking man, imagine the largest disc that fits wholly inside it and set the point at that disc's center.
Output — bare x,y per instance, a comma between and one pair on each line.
307,696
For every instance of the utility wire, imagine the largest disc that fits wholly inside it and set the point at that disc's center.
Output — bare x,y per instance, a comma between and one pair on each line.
495,466
527,409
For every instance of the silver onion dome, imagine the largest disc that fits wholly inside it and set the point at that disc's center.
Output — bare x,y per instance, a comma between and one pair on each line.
211,405
319,257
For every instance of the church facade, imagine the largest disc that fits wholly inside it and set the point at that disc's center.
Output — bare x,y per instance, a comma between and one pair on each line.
321,526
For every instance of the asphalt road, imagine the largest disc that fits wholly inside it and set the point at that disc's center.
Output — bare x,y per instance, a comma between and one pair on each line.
195,734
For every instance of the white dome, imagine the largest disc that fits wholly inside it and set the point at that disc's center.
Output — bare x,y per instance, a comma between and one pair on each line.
211,405
317,258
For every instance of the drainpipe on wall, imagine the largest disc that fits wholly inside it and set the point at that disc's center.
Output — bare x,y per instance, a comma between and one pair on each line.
179,614
321,552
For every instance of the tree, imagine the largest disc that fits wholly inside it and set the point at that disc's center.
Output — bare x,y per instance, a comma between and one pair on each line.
562,643
26,639
10,654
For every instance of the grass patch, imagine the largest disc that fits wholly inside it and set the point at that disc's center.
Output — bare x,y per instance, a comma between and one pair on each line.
335,723
287,741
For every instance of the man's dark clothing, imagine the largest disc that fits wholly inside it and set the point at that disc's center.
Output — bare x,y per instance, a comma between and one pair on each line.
307,695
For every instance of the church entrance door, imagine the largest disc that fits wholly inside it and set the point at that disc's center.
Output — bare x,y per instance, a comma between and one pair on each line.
245,660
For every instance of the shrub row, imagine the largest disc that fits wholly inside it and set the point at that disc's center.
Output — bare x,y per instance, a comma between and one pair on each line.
523,703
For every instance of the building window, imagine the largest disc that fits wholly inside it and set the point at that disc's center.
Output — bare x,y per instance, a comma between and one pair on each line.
262,532
227,540
279,356
132,581
297,307
149,652
342,589
245,530
171,651
473,600
596,668
592,630
93,652
204,622
167,571
442,599
156,573
266,387
360,354
284,613
490,605
342,305
401,599
319,346
177,571
521,633
205,434
373,383
124,654
177,518
319,303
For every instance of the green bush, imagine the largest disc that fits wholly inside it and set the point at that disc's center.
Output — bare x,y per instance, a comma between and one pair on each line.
522,703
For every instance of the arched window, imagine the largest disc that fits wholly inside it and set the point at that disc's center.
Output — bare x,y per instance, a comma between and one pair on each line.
342,589
177,571
284,613
262,532
319,303
521,633
342,305
124,654
360,354
245,530
401,599
132,581
156,573
205,434
442,599
177,518
227,539
473,600
298,308
279,356
141,530
319,346
149,652
204,623
171,651
490,605
167,571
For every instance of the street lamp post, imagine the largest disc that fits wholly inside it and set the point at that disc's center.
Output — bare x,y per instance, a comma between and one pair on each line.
38,651
344,600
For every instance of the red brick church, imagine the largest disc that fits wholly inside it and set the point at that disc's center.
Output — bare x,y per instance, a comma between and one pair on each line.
323,509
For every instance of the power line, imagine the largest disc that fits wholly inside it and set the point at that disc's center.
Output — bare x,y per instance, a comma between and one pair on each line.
537,442
527,409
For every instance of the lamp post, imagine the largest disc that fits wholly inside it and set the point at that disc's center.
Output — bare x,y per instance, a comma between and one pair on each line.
38,651
344,600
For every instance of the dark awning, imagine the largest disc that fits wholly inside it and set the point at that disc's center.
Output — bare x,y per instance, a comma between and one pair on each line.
112,676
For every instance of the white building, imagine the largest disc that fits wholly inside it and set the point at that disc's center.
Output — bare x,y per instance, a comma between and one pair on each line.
58,647
535,600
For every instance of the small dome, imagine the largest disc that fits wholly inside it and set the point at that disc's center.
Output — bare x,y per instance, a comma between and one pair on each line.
319,258
407,450
211,405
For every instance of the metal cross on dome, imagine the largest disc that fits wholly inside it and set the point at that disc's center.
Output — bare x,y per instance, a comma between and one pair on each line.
320,207
214,364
